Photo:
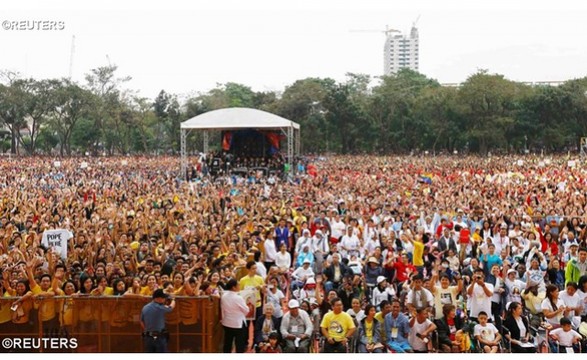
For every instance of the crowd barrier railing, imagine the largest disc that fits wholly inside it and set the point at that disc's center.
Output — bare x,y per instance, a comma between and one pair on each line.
110,324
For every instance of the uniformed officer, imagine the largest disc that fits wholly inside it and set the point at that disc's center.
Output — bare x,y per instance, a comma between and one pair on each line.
155,336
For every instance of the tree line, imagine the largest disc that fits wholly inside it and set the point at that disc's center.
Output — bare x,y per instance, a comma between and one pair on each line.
396,114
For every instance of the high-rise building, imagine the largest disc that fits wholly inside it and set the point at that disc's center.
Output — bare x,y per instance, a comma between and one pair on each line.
401,51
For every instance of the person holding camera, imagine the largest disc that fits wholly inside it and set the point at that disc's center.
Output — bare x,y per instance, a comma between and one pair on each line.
480,294
155,335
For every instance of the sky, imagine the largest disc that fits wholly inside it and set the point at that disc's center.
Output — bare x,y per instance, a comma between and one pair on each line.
189,47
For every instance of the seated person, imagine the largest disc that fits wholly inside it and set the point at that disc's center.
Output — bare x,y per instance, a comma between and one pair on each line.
487,334
265,325
272,346
448,328
518,330
420,329
566,337
369,334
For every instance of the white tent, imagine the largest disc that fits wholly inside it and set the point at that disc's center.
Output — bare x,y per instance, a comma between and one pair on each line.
240,118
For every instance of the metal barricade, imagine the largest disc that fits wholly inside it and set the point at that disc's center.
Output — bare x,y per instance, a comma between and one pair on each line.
112,324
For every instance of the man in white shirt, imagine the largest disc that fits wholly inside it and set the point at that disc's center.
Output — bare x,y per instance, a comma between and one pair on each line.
420,328
270,252
337,226
296,329
480,294
418,296
501,240
234,312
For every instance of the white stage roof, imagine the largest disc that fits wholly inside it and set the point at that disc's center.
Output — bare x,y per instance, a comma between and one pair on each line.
238,118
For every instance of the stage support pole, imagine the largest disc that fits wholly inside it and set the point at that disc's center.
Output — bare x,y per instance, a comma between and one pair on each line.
184,164
206,142
290,149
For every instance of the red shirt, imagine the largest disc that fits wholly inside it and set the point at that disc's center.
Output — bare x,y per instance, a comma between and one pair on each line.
400,269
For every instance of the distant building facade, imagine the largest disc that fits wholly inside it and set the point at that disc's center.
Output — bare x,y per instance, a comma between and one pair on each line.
401,51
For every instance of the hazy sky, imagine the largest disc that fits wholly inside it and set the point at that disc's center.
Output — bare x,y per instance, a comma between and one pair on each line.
185,47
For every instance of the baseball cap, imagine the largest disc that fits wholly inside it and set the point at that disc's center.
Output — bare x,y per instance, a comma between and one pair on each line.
511,271
381,279
160,294
293,304
307,261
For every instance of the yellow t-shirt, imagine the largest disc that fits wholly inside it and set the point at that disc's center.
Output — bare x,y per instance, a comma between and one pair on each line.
337,324
369,331
66,306
248,282
48,306
418,252
146,291
5,315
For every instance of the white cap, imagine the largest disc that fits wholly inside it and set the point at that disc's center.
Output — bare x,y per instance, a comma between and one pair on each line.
310,281
307,261
293,304
381,279
318,232
511,271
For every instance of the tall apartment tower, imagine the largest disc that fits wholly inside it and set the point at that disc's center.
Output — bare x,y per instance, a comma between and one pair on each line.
401,51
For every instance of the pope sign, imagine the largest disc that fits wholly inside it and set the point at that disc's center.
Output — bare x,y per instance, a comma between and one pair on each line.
57,240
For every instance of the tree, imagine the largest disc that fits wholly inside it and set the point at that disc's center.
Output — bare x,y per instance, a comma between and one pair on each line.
72,104
103,83
303,102
489,104
12,110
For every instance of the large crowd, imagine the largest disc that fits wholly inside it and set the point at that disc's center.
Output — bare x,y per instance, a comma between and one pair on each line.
362,253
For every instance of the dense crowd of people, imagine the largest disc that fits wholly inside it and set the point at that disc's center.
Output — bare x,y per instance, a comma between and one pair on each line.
363,253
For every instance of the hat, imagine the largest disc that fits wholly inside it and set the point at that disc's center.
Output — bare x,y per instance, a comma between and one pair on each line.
381,279
160,294
466,262
310,281
504,226
313,301
511,271
318,232
574,244
307,261
373,260
532,283
460,210
293,304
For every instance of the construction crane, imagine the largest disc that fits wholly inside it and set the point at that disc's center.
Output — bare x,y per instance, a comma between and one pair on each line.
387,31
71,54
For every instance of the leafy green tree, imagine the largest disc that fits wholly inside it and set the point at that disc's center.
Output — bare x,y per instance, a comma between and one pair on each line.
72,103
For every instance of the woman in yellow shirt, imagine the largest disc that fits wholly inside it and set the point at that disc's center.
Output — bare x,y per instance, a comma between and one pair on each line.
87,312
135,289
151,286
21,308
369,333
66,307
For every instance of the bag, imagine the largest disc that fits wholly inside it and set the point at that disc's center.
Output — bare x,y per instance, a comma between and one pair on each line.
583,329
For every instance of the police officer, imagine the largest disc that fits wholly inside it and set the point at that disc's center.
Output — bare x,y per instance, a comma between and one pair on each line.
155,336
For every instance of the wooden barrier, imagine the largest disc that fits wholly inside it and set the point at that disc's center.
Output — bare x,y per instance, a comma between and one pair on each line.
112,324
